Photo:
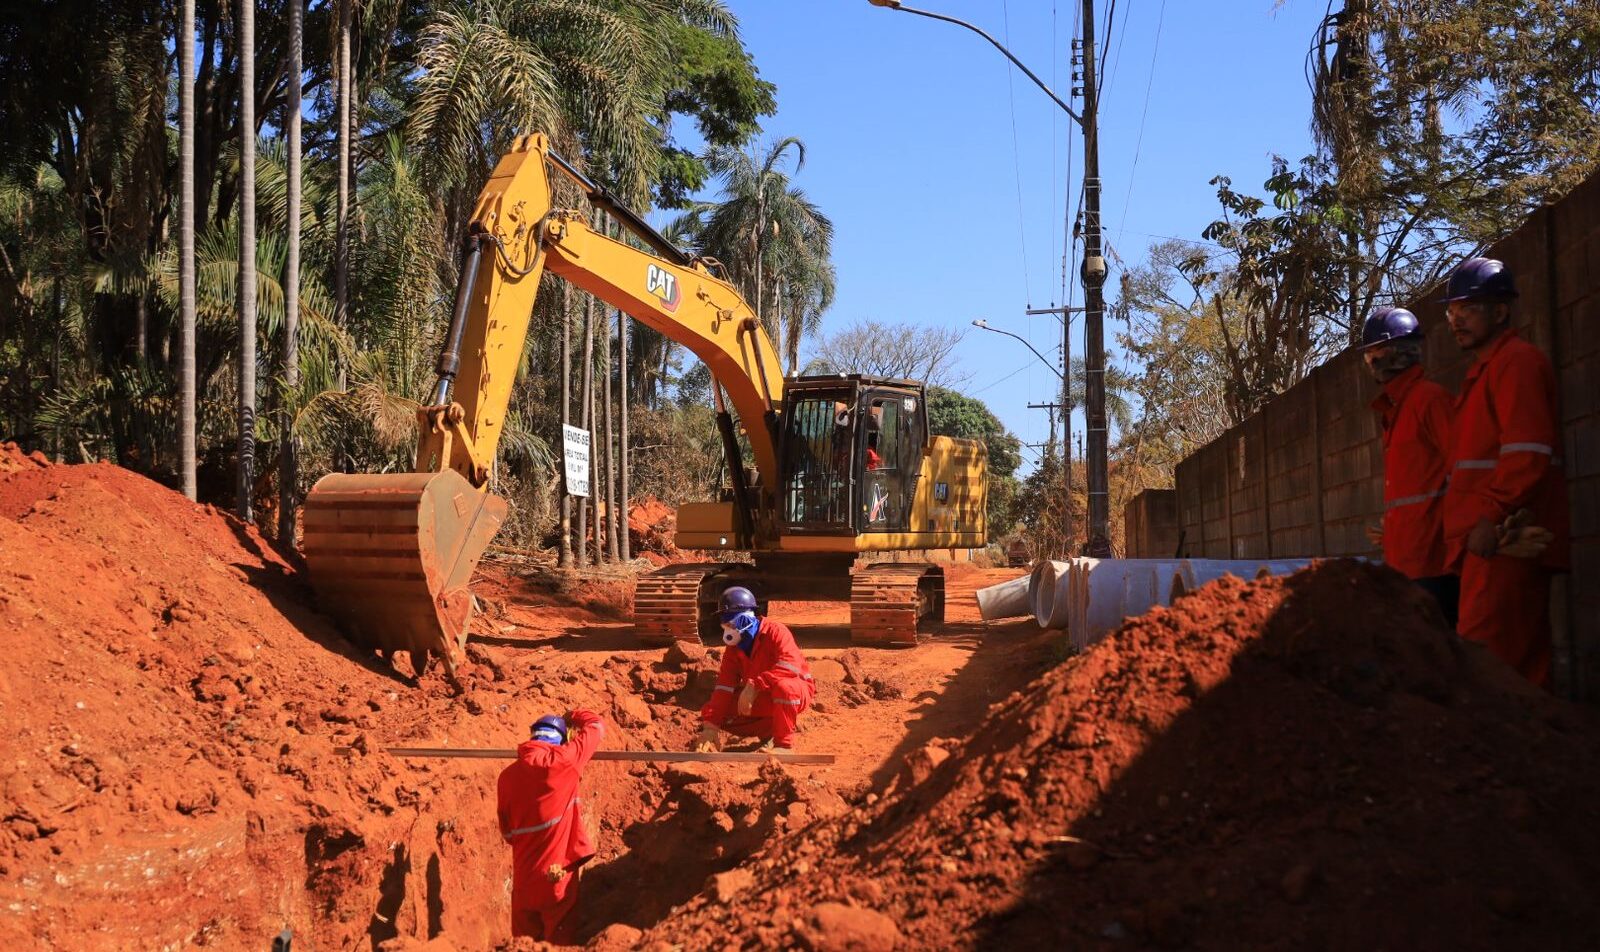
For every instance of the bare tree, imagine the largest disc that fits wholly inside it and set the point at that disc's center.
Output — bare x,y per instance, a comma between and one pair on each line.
908,351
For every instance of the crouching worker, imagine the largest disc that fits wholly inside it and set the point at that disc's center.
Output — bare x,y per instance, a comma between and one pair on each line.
764,683
538,806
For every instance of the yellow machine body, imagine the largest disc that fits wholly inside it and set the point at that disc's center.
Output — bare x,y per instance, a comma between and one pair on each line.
391,555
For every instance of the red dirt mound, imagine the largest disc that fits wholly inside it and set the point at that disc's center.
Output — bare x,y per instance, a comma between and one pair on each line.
1302,762
173,704
651,524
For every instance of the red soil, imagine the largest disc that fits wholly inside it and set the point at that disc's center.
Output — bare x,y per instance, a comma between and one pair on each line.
1311,761
651,524
174,704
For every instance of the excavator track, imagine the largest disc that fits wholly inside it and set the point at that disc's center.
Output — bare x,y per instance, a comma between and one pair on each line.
891,602
668,604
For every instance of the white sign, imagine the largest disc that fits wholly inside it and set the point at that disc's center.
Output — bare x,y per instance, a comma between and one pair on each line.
576,445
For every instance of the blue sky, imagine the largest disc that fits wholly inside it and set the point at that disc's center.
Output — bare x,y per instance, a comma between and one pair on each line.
945,170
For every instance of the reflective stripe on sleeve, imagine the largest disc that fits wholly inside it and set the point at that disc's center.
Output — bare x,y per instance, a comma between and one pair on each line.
725,687
1412,500
1544,448
789,667
519,831
779,700
1476,463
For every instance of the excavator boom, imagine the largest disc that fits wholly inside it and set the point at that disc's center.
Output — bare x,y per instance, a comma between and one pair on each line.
392,555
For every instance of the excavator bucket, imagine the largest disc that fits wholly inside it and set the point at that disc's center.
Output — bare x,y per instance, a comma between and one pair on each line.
390,557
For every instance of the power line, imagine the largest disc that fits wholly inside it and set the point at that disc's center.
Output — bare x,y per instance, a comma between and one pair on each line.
990,386
1139,143
1016,161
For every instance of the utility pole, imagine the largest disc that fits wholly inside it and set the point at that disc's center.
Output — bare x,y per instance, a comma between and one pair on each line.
1064,315
1094,279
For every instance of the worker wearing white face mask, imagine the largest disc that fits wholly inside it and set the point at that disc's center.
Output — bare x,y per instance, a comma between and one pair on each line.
764,683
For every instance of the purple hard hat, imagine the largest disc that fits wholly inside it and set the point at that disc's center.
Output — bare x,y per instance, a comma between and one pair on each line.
1480,279
734,600
551,728
1389,324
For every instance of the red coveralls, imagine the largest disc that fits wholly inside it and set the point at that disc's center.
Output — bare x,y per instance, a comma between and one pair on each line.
1416,414
1506,456
538,806
784,687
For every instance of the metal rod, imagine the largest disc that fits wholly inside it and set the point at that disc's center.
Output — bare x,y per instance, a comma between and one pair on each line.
649,756
602,199
450,358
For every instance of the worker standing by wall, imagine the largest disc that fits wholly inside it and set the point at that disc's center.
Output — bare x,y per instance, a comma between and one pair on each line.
764,683
1415,415
1505,471
538,806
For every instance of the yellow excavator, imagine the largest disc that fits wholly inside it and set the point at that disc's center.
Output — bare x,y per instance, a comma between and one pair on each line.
844,465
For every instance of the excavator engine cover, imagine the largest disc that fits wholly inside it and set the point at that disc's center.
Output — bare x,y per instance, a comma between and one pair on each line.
390,557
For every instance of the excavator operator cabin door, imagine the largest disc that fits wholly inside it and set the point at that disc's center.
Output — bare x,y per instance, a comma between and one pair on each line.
818,439
891,457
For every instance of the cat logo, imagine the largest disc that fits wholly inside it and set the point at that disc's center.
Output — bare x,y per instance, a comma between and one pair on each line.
664,285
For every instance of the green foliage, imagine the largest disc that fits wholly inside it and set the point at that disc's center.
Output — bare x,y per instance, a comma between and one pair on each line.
88,184
716,84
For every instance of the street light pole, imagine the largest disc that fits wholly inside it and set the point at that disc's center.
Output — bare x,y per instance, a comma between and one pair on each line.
1093,270
982,324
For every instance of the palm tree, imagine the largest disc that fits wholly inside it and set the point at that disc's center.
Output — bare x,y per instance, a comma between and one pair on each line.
186,275
247,256
1119,388
775,244
344,92
291,283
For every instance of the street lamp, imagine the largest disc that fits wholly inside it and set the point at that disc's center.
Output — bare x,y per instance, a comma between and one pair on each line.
982,324
1093,268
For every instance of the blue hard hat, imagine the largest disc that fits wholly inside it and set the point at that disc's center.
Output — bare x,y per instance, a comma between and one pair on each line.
1389,324
551,729
736,599
1480,278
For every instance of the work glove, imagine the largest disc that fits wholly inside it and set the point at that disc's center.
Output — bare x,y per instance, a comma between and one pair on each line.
1375,533
1519,540
747,699
555,873
707,741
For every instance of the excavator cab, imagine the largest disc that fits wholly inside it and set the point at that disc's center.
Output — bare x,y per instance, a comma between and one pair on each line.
851,451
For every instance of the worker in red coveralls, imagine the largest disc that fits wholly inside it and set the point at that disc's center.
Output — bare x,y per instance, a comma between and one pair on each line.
1415,414
538,806
764,683
1505,470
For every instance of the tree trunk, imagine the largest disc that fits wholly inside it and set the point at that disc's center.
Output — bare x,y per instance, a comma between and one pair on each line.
586,413
186,301
287,476
564,559
341,250
622,435
610,453
247,257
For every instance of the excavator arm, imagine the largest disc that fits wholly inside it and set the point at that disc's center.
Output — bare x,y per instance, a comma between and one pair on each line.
392,555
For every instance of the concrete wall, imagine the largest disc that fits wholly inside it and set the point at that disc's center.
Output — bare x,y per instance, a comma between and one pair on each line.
1304,475
1150,524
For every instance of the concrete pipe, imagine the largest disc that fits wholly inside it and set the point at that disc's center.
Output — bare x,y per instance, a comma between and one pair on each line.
1051,599
1114,590
1007,600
